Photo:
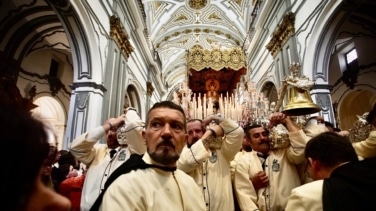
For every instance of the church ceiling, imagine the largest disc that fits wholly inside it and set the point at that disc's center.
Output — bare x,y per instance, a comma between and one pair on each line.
176,26
173,27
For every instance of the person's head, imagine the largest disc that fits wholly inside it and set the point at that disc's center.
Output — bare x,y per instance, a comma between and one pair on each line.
66,171
195,131
246,146
165,132
258,138
67,157
53,156
327,151
329,126
27,137
111,136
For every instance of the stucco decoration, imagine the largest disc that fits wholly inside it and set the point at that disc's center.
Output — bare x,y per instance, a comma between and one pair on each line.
217,59
197,4
120,36
283,32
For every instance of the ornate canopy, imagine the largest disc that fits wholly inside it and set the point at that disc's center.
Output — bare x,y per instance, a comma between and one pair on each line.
216,59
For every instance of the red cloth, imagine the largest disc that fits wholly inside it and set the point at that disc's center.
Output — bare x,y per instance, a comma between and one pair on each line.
72,189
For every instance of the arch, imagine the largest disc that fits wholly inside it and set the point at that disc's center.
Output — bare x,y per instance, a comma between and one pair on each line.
354,102
329,36
270,91
82,40
322,41
132,99
51,111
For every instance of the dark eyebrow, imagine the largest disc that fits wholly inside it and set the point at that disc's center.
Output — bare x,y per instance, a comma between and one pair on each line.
163,120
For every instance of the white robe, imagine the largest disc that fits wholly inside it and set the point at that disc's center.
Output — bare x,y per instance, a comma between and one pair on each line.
153,189
281,170
214,178
96,156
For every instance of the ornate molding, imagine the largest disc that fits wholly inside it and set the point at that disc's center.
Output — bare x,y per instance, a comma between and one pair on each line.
193,32
149,88
283,32
197,4
120,36
200,58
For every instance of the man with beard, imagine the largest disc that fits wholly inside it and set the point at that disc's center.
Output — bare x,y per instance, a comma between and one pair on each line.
102,159
265,177
207,156
152,182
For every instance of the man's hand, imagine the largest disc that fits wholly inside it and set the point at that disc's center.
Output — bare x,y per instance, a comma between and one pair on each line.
277,118
114,123
260,180
209,119
119,120
207,123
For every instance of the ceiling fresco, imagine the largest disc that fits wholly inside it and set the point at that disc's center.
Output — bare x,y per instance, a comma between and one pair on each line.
176,26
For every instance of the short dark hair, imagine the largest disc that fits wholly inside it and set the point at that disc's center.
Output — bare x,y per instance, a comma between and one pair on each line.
247,128
330,149
196,120
167,104
66,157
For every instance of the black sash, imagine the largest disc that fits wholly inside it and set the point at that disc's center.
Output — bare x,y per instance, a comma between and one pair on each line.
351,187
134,162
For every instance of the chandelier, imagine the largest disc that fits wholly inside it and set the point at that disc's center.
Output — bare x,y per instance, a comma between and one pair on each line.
246,106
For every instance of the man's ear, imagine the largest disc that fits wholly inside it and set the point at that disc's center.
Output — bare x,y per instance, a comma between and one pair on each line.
315,164
143,133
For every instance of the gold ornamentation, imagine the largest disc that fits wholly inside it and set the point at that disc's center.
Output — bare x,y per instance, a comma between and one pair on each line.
197,4
279,137
149,88
195,32
214,16
283,32
120,36
213,143
181,17
360,129
199,58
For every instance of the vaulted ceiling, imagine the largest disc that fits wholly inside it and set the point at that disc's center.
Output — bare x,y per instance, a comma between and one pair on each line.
173,26
177,25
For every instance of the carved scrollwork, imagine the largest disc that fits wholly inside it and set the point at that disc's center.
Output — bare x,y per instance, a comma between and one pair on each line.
120,36
149,88
199,58
283,32
197,4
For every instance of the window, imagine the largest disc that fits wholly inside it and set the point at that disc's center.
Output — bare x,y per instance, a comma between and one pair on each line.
350,75
352,59
54,68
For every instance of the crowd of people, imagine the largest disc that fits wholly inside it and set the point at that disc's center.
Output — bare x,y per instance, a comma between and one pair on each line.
171,163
